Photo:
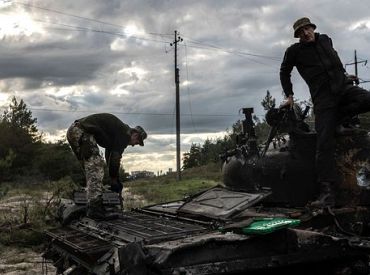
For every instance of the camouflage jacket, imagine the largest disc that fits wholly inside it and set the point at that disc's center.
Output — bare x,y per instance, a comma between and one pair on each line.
110,133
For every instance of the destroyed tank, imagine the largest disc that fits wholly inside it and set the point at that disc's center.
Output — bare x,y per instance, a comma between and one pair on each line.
286,161
256,222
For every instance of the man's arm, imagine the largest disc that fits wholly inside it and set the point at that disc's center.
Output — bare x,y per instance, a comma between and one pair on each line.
285,78
285,73
113,159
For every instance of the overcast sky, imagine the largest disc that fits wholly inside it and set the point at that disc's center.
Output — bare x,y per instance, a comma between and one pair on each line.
67,59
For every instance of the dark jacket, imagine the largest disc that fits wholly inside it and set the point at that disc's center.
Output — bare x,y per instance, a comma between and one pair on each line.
317,62
110,133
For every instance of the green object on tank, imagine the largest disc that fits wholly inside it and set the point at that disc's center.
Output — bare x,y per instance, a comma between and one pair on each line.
269,225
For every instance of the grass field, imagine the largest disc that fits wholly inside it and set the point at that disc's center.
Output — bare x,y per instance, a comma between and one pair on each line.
167,188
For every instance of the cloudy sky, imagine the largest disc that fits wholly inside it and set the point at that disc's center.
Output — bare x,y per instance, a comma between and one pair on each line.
67,59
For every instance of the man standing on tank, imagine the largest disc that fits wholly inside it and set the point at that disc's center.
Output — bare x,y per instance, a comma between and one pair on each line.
109,132
335,98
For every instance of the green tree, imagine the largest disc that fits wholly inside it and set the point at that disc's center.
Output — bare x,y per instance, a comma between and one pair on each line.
5,165
211,149
18,116
18,133
268,102
193,157
54,161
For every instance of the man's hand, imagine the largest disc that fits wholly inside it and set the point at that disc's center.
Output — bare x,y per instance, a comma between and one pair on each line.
288,103
116,185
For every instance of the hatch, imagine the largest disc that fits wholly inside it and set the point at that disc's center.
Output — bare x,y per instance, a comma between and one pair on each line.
222,204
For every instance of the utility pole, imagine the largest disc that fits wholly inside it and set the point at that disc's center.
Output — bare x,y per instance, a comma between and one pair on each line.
356,70
177,82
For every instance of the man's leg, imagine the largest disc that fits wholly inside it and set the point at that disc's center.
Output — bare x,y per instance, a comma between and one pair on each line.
74,134
94,171
93,165
325,124
355,100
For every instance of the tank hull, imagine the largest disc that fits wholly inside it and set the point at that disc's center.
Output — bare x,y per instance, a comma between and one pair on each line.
289,171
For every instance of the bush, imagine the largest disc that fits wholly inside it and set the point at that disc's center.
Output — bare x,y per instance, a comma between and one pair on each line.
33,211
56,160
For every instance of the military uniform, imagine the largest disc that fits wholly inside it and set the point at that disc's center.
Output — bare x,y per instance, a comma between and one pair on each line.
84,136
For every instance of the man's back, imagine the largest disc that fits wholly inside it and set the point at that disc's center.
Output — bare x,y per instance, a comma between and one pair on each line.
109,131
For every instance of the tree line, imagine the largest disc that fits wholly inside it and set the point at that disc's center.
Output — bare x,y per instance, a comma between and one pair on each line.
211,149
199,155
24,154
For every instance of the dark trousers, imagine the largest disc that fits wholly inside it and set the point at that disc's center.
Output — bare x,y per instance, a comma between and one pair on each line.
352,101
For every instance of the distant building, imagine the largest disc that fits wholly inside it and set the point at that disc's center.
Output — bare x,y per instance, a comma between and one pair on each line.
142,174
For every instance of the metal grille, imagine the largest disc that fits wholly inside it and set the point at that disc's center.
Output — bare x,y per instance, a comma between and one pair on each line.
78,241
133,227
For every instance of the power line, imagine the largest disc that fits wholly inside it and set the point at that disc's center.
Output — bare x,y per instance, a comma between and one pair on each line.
245,55
150,33
187,87
275,58
126,113
81,17
78,28
125,35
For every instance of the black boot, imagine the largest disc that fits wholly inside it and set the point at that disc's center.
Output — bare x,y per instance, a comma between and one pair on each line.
326,197
68,211
97,211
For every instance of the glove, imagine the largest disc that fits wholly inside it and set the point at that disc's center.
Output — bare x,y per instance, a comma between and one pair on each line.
116,185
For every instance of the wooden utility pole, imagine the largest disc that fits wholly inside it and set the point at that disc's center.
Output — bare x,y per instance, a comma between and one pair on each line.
177,82
356,71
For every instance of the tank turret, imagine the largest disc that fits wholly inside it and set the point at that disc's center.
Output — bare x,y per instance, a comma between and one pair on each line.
285,163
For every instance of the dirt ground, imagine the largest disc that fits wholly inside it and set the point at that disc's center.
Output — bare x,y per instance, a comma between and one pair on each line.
23,261
26,261
16,260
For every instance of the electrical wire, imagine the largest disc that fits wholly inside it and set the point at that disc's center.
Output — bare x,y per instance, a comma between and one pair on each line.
275,58
187,88
125,113
85,29
234,53
80,17
198,44
193,44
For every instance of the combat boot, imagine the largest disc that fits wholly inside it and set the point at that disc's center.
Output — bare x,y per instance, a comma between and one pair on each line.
326,197
96,209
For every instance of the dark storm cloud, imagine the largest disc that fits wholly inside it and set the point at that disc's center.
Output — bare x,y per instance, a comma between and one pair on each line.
63,68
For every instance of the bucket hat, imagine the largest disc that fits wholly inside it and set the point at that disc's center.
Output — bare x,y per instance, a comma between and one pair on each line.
301,22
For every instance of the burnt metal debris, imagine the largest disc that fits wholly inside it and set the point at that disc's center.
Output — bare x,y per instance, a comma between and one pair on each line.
240,227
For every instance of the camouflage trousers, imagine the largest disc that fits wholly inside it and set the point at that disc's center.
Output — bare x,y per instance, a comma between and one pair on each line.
87,152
